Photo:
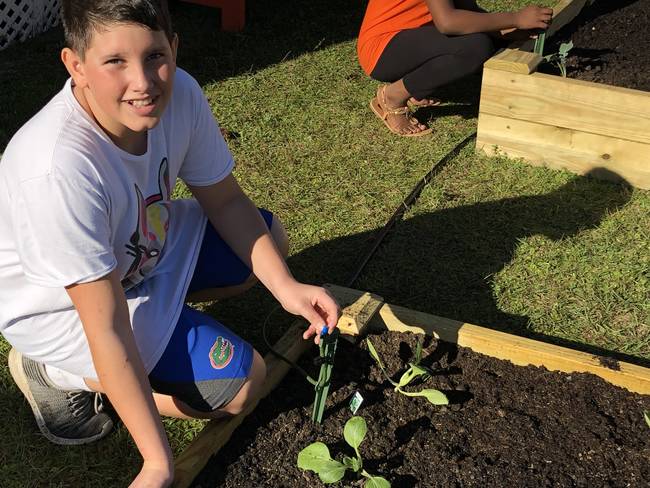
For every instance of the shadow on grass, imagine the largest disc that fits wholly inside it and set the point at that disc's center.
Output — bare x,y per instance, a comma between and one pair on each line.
442,262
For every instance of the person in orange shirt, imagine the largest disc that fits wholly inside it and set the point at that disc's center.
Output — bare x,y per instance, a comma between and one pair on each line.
417,46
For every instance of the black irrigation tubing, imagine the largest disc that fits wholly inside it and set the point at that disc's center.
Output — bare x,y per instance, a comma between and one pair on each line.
406,204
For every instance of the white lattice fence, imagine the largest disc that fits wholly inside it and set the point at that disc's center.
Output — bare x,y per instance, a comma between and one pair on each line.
22,19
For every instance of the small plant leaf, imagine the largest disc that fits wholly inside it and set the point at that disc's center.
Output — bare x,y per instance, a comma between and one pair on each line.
646,416
373,353
331,472
355,431
410,374
406,378
375,356
376,482
418,351
434,396
352,463
314,456
565,47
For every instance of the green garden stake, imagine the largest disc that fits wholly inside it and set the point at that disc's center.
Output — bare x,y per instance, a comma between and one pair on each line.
539,43
327,347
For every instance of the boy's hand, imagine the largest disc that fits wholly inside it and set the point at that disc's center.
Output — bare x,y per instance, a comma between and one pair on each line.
153,476
314,303
533,17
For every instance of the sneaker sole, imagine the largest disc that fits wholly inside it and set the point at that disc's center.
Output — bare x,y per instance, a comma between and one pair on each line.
18,374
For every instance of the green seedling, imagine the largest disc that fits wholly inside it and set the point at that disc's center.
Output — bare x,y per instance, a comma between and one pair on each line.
539,43
559,58
646,416
414,371
316,457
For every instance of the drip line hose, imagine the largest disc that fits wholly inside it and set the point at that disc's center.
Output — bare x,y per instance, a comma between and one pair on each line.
399,212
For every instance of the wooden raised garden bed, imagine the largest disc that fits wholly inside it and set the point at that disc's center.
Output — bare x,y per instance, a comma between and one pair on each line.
447,438
548,120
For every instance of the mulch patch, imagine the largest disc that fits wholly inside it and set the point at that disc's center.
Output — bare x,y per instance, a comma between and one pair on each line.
505,425
610,44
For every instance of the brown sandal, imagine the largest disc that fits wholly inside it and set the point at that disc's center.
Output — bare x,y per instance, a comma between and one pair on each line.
424,103
381,111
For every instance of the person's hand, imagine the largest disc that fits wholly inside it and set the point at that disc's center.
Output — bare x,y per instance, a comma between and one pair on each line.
533,17
314,303
154,476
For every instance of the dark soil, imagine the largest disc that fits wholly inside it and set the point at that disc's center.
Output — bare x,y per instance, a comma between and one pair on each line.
506,426
611,44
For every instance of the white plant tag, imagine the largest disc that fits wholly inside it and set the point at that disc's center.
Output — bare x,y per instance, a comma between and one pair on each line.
355,402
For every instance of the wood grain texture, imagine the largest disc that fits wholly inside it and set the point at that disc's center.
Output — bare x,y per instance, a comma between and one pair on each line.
514,61
560,148
584,106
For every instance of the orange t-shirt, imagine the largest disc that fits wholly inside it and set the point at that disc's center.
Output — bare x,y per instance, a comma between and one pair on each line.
384,19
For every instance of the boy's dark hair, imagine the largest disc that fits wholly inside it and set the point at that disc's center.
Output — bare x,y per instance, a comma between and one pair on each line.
82,17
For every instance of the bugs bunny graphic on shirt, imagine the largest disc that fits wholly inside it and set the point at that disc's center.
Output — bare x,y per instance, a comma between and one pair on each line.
147,241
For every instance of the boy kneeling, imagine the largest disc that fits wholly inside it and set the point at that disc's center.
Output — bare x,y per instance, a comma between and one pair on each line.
97,261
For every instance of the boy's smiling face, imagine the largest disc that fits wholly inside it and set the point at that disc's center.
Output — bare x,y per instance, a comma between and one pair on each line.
124,81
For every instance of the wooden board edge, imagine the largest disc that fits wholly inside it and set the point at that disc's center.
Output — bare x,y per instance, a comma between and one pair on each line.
521,351
569,103
514,61
357,309
602,157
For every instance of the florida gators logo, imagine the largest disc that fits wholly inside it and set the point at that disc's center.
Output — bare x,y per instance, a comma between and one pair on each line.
221,353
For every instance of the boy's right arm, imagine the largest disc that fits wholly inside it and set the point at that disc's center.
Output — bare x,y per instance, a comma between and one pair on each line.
104,314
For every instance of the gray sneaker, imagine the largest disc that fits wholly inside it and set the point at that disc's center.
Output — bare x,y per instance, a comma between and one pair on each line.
64,417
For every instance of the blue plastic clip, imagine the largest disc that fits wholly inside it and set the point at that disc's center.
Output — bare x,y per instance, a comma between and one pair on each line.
324,331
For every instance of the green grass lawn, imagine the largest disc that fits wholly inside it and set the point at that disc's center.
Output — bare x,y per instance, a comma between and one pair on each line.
493,242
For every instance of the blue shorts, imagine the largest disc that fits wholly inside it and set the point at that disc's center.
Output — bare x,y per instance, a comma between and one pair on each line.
205,364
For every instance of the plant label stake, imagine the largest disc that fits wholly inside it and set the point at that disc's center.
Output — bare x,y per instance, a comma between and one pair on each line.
355,402
327,349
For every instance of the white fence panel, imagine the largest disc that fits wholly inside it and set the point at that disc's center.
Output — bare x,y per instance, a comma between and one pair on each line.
22,19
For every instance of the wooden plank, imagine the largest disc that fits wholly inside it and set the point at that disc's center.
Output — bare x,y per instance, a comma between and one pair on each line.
515,61
519,350
579,105
556,147
563,13
357,310
216,433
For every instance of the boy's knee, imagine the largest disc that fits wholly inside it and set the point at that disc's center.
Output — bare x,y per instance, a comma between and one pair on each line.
251,390
280,236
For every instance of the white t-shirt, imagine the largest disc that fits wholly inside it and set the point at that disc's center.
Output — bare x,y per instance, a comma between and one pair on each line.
74,206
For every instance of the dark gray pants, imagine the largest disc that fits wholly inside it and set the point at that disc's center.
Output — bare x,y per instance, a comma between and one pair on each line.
427,59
